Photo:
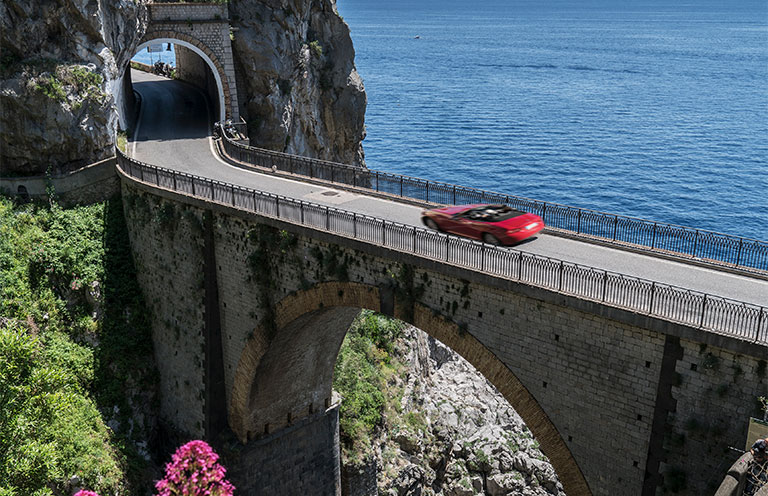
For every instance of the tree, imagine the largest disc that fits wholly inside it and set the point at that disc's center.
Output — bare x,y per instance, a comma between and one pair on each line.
194,470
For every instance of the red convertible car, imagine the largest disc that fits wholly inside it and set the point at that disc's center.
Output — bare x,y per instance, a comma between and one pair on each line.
494,224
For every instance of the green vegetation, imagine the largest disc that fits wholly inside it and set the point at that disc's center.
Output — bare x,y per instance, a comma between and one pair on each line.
73,337
365,377
122,140
316,48
57,82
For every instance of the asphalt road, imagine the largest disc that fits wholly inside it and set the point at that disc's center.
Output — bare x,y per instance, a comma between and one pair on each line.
174,132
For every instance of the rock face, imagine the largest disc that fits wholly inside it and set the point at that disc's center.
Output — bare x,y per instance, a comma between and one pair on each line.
459,435
59,60
299,90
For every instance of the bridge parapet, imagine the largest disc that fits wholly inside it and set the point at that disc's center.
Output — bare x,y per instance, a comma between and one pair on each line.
698,245
692,308
188,12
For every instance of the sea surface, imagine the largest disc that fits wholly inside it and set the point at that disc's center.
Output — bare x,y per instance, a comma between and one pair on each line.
652,109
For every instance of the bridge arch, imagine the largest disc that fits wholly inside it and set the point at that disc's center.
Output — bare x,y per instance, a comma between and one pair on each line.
204,52
323,313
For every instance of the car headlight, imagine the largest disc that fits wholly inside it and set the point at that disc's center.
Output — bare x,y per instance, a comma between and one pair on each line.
531,226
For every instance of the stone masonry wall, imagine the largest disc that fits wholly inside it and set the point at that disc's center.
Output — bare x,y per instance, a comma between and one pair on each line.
302,459
205,26
167,246
716,393
590,370
192,69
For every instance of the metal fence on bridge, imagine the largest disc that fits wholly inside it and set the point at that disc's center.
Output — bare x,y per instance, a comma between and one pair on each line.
708,312
712,247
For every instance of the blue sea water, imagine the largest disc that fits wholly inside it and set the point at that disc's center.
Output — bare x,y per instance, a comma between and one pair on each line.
149,58
653,109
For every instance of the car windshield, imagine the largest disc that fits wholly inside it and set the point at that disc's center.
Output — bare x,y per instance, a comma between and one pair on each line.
492,213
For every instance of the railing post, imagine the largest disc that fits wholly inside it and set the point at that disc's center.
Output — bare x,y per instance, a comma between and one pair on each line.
738,253
377,180
544,213
414,239
174,181
520,267
254,202
233,195
427,189
327,218
653,294
653,238
605,284
332,174
301,210
277,207
703,310
482,257
615,225
447,247
193,187
695,242
401,185
759,323
383,232
578,223
354,224
560,279
141,173
454,194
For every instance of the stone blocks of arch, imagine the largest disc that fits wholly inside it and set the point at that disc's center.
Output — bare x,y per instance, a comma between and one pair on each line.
349,294
221,64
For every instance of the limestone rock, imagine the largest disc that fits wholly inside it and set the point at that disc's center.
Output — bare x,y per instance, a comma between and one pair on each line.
299,89
472,442
59,62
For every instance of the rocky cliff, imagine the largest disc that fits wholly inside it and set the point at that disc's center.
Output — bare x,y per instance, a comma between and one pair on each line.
300,92
450,433
58,62
61,61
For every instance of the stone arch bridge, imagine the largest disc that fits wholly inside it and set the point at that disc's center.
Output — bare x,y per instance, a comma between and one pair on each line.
200,34
252,295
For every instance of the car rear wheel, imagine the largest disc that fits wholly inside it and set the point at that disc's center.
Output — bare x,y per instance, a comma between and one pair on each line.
430,223
491,239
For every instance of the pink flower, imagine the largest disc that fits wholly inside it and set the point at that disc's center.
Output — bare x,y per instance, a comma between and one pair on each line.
194,471
83,492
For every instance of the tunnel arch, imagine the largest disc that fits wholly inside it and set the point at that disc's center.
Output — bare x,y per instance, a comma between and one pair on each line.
305,312
210,58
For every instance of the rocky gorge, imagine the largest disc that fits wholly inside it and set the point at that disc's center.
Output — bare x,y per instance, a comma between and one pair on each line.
445,430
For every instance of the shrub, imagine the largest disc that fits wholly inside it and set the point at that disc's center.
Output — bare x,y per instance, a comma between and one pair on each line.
194,470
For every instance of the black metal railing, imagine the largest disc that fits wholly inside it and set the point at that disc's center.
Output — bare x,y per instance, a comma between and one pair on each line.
708,312
707,246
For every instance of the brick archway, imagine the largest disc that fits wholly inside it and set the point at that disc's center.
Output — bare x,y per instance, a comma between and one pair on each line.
210,58
303,307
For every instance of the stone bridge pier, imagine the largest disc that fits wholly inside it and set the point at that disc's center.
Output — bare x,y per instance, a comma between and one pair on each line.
249,313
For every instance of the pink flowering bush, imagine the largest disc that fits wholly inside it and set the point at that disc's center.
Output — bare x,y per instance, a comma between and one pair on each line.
194,471
83,492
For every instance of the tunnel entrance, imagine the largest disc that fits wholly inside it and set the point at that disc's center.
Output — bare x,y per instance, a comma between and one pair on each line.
177,59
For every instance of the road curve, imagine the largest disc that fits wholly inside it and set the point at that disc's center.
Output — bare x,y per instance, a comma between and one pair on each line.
173,131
